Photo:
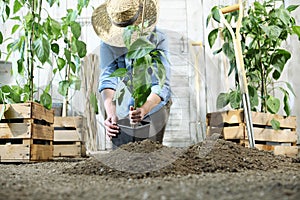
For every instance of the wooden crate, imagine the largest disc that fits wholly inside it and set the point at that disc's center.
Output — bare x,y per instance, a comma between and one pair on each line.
68,134
231,125
26,133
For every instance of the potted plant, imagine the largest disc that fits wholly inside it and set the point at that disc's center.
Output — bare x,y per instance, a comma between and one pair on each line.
264,28
145,63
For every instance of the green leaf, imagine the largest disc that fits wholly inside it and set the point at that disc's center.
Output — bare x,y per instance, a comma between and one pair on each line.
21,67
42,49
222,100
254,100
61,63
7,10
212,36
76,29
258,6
279,59
228,50
275,124
290,88
232,66
128,31
296,30
54,71
81,48
272,31
72,15
208,19
235,99
17,18
273,104
67,54
216,14
140,48
286,104
55,48
94,102
120,72
55,28
47,88
51,2
283,15
291,8
73,67
75,82
6,89
17,6
15,28
1,38
63,87
46,100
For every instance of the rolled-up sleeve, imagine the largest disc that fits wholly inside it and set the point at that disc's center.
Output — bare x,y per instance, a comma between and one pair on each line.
107,67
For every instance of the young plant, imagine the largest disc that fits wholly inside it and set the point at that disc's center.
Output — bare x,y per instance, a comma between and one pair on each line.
35,41
146,66
68,57
263,30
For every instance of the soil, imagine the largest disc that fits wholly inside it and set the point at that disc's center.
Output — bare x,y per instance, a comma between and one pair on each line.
214,169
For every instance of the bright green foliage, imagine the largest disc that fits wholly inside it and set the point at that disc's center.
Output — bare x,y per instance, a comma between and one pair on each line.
264,28
146,62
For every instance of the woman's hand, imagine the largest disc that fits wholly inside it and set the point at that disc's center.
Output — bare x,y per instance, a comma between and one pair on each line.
111,127
136,115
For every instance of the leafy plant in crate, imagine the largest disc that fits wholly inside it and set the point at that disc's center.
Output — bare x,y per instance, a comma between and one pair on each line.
146,65
265,27
29,42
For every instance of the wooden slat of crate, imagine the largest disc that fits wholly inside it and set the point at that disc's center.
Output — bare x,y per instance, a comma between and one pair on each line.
291,151
30,110
271,135
260,134
25,152
27,129
66,136
258,119
15,153
228,117
68,150
68,122
233,132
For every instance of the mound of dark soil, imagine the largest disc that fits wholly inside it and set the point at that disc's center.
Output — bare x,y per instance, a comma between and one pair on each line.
149,159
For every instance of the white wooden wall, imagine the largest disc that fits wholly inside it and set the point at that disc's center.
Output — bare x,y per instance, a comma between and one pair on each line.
197,75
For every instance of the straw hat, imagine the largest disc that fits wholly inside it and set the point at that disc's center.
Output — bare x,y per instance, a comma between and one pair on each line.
110,18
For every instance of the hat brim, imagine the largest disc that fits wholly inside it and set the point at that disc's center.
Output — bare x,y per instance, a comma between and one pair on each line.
112,34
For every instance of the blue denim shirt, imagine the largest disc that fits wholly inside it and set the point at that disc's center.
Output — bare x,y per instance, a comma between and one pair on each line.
112,58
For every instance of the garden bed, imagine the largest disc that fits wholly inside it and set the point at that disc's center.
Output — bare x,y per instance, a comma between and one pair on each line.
215,169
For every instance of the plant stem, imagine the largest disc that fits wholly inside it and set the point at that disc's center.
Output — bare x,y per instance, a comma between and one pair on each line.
31,57
67,78
263,91
143,17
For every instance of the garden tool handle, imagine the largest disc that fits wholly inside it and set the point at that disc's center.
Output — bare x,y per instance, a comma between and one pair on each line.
229,9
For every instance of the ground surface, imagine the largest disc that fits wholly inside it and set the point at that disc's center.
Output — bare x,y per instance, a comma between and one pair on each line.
215,169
